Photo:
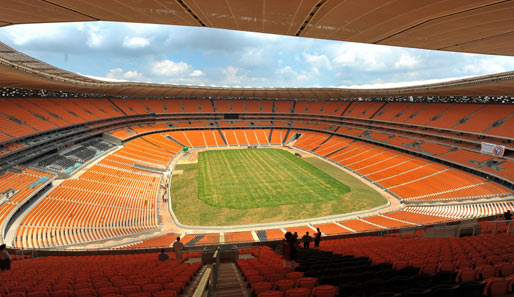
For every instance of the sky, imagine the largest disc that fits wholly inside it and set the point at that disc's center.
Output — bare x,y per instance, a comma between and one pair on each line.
214,57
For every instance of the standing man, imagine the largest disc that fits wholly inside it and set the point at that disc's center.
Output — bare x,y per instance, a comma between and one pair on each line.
317,238
178,248
306,240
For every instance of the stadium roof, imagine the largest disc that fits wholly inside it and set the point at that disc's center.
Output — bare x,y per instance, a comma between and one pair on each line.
473,26
479,26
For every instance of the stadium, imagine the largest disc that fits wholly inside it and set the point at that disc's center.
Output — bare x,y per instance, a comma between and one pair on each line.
407,186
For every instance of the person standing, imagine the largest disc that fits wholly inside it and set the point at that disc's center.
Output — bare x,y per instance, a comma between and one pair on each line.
5,258
306,240
317,238
163,256
178,248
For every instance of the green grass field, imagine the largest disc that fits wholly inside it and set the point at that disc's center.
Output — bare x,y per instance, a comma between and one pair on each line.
251,178
190,209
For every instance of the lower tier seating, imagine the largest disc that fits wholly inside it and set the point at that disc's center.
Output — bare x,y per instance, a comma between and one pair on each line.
98,276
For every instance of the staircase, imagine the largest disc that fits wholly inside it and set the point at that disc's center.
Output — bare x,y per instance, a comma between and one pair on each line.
231,282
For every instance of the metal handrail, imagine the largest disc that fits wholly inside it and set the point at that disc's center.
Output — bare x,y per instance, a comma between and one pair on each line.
204,283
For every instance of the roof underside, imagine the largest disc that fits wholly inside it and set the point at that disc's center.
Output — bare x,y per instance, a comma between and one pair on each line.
474,26
478,26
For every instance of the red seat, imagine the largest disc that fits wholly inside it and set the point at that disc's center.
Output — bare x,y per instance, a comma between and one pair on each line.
102,292
298,292
61,293
306,282
141,282
274,277
495,287
504,269
400,265
428,269
121,283
484,272
167,293
152,288
98,285
139,294
252,279
85,293
271,294
294,276
446,266
466,275
16,294
18,289
82,286
284,284
261,287
125,290
38,294
176,287
324,291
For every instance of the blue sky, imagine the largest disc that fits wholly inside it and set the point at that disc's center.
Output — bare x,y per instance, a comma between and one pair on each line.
213,57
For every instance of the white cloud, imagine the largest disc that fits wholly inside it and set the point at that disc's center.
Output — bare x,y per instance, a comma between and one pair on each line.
486,66
231,76
170,68
196,73
363,56
317,60
135,42
406,61
117,74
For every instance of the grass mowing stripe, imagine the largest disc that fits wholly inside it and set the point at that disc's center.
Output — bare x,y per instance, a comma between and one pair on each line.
247,178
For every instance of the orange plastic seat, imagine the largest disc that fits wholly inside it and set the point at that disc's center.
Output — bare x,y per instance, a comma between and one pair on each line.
85,293
102,292
298,292
496,287
307,282
152,288
125,290
61,293
165,293
294,276
271,294
261,287
284,284
38,294
324,291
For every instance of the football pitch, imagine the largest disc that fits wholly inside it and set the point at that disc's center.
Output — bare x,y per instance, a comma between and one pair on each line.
251,178
252,186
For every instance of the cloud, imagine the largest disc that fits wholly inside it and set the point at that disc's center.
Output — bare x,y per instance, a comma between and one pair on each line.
117,74
318,60
378,84
170,68
135,42
196,73
406,61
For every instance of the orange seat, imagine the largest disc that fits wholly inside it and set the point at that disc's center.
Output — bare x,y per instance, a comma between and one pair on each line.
294,276
152,288
85,293
125,290
271,294
306,282
102,292
298,292
495,287
324,291
261,287
38,294
284,284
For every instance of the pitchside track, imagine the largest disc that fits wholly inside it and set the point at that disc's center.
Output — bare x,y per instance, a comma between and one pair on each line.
252,186
251,178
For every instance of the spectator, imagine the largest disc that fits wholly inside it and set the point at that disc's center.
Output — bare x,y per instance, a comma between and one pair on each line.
295,239
289,250
163,256
306,240
507,215
178,248
317,238
5,258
